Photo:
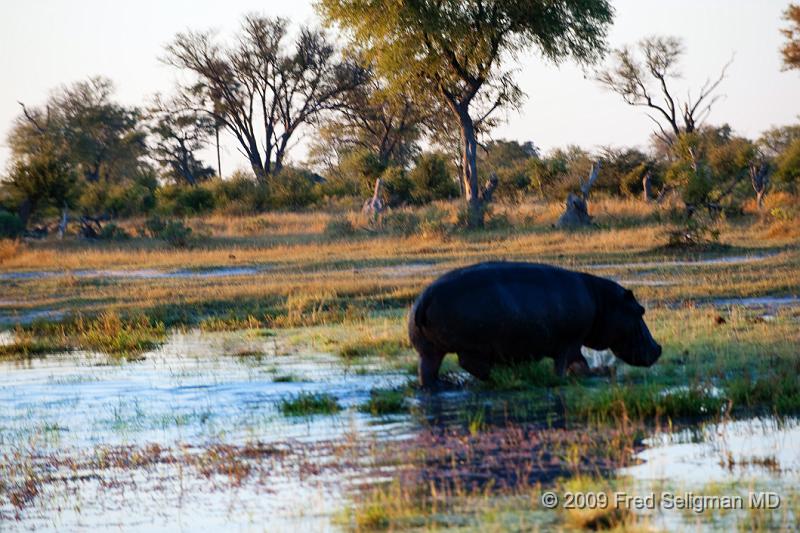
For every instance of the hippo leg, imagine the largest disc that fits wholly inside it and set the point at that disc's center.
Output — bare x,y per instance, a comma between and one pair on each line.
475,364
571,359
430,360
578,366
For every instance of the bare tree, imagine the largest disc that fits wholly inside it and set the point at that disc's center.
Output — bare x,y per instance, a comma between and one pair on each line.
261,89
759,179
645,82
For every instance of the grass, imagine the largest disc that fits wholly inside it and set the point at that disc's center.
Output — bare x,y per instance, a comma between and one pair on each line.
386,401
309,404
330,285
107,333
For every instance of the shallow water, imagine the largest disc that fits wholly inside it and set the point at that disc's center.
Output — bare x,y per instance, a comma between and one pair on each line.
147,273
725,260
192,395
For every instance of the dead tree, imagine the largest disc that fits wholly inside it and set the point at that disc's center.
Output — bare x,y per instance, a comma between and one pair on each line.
62,226
646,83
759,178
647,186
375,206
576,212
92,227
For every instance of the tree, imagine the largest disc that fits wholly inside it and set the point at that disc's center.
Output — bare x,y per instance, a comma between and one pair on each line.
177,134
368,118
775,141
791,50
261,89
42,180
454,50
646,83
103,140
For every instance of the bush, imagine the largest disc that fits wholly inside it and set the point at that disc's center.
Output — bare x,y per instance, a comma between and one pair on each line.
175,232
181,200
113,232
788,172
432,179
400,222
360,169
398,187
241,194
434,223
11,226
293,188
339,227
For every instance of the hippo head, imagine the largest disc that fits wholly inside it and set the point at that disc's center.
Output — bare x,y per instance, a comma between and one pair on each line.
624,331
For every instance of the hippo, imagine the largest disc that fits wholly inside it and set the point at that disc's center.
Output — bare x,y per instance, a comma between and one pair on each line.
508,312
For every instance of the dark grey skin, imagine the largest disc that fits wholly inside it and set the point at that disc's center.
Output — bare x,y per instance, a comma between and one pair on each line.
507,313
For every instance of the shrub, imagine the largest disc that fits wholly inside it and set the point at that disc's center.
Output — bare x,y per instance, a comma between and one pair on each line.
432,179
11,226
182,200
434,223
398,187
788,172
241,194
293,188
113,232
175,232
339,227
400,222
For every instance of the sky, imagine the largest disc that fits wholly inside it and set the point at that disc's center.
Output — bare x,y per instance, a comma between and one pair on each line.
48,43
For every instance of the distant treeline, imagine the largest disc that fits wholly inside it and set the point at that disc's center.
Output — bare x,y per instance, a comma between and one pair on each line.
83,152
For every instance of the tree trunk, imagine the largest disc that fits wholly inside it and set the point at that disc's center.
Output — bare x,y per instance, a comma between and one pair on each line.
62,226
469,170
647,188
219,157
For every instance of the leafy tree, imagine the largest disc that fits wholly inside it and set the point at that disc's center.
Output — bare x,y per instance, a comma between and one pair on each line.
645,82
775,141
262,90
40,181
788,166
791,50
177,134
100,138
455,50
509,161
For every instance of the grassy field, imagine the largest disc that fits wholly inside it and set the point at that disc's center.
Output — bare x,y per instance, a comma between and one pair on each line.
323,285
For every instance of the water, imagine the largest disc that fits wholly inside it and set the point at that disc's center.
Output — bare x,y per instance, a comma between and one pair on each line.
148,273
87,428
186,397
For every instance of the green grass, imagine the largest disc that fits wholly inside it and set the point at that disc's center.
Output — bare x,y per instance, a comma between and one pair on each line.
384,347
616,403
107,333
524,376
385,402
309,404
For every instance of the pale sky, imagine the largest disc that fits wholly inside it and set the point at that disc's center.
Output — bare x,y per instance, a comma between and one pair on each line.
47,43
